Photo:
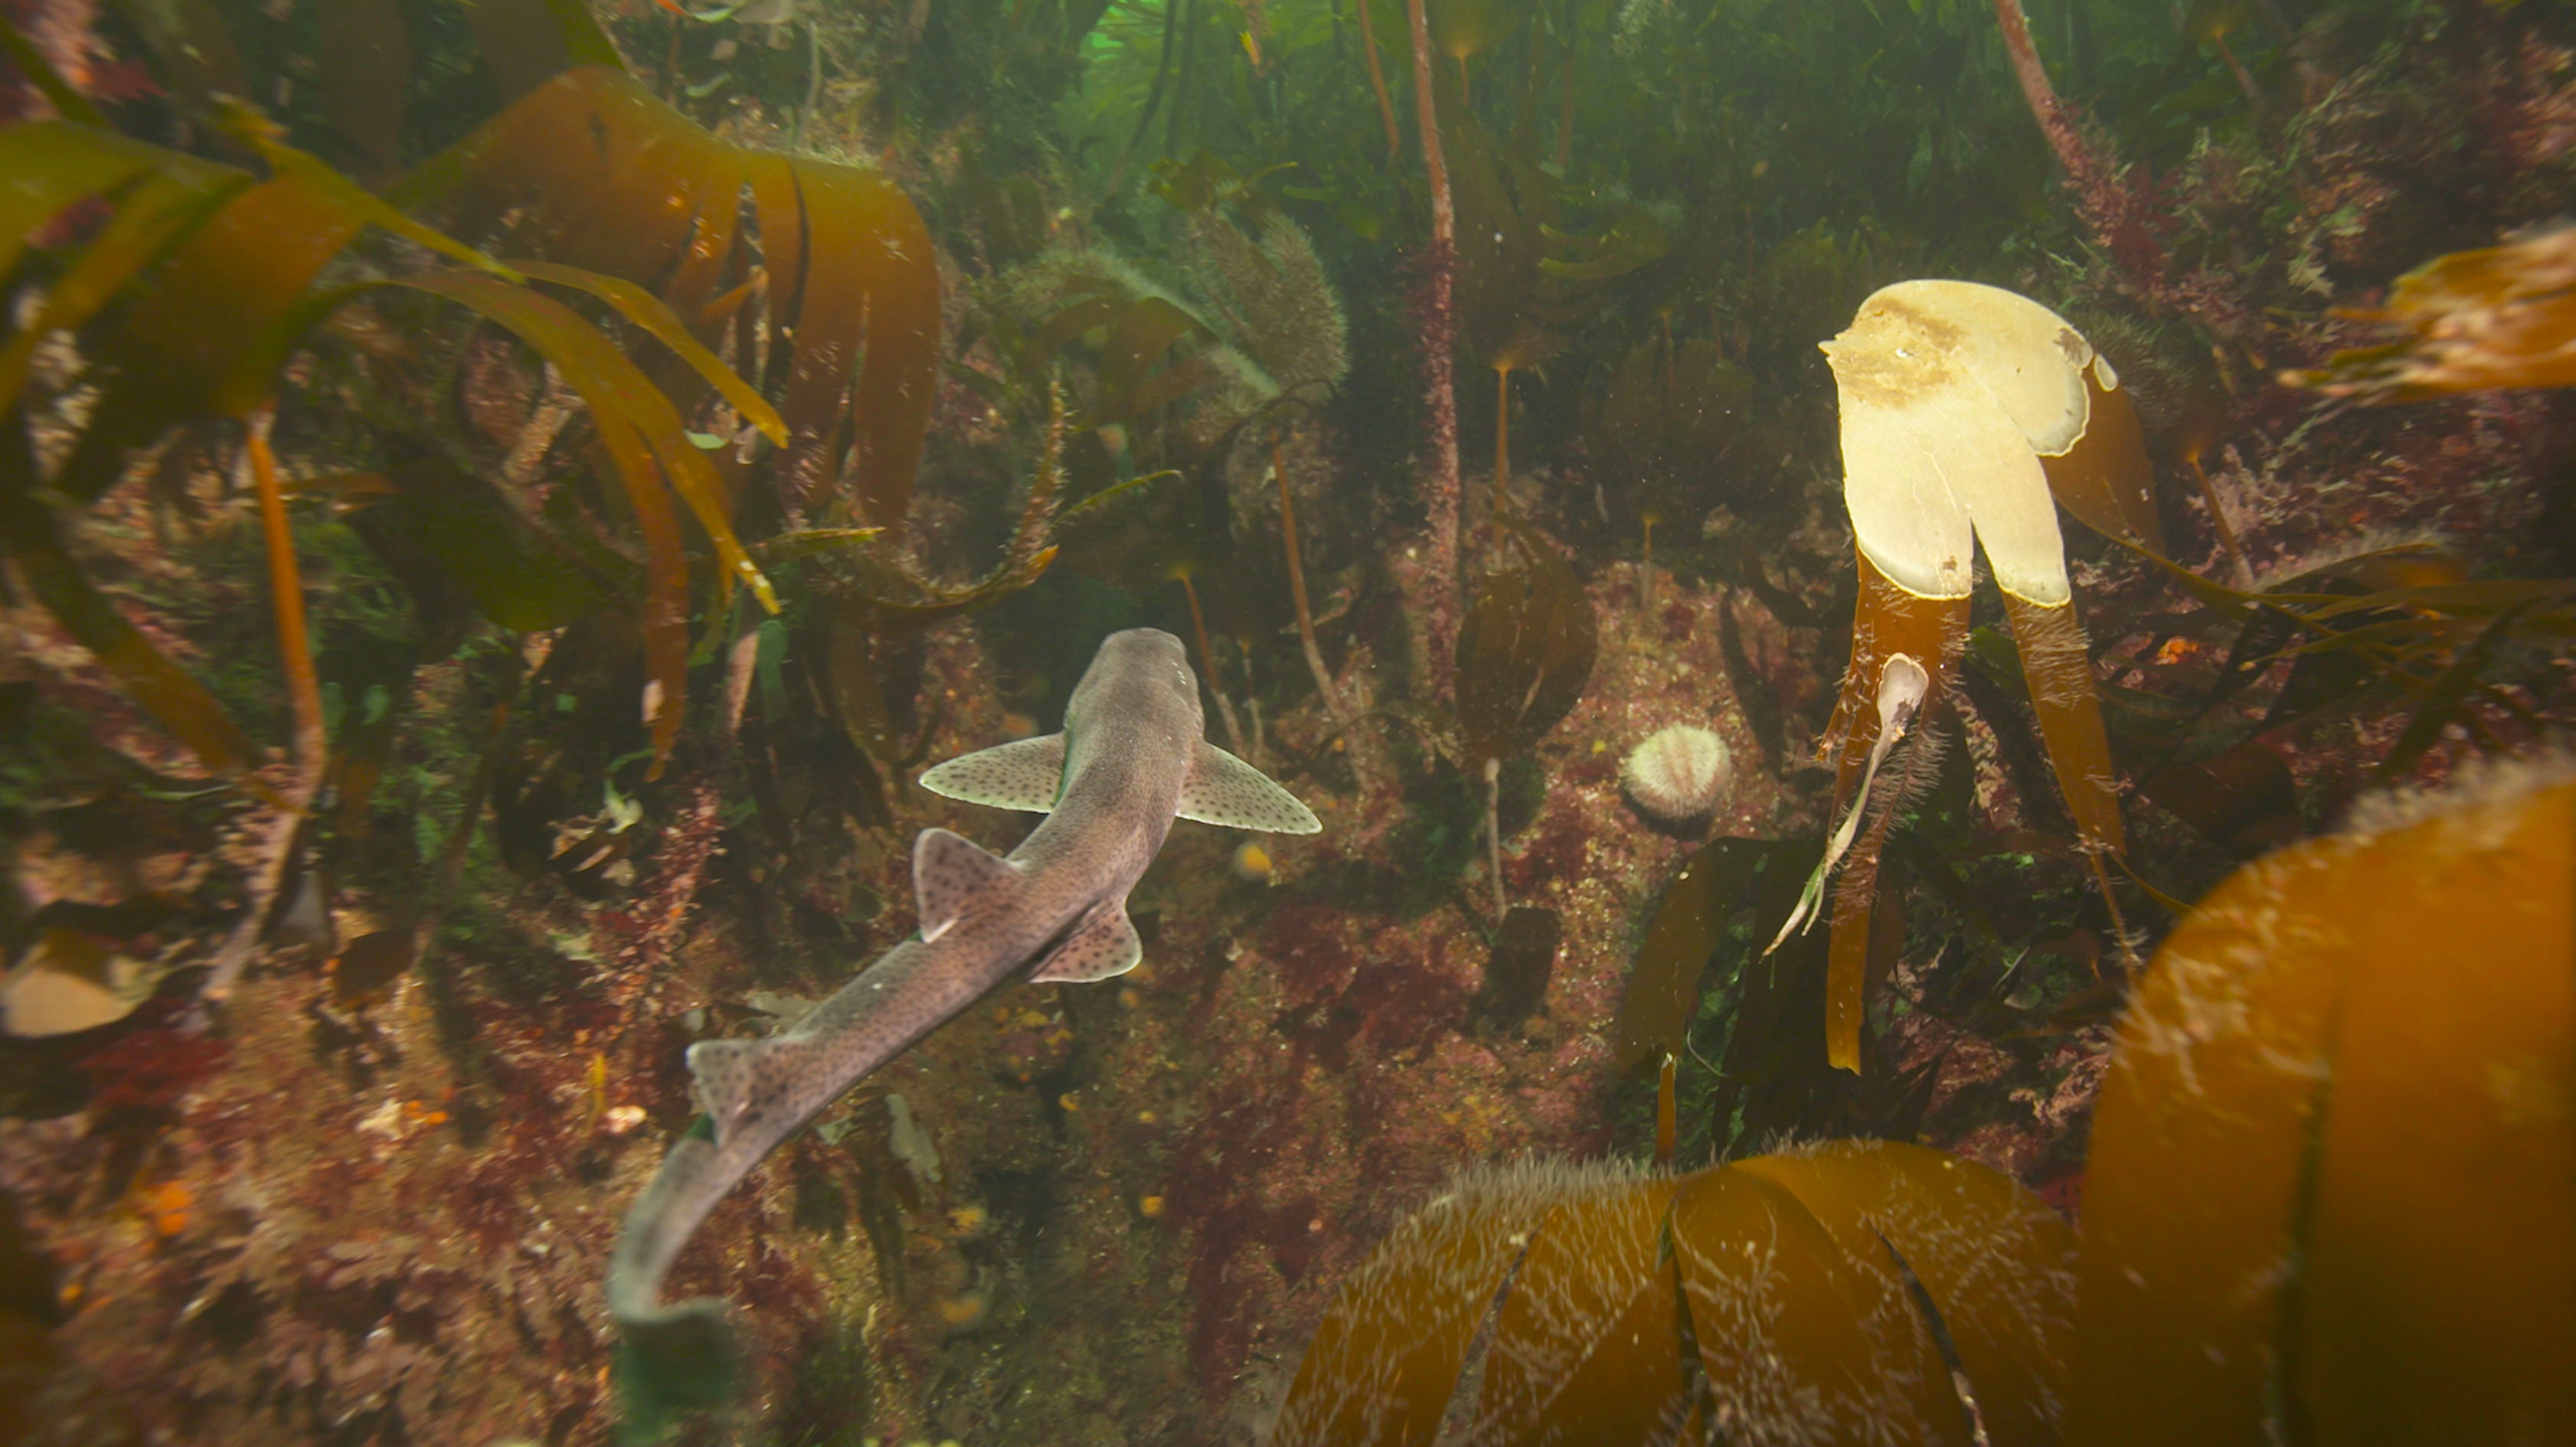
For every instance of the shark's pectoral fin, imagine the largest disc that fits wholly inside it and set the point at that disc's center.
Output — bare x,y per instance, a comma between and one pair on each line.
1025,775
1104,944
950,872
1223,789
738,1079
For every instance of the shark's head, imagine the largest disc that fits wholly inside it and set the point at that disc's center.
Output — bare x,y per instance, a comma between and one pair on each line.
1142,676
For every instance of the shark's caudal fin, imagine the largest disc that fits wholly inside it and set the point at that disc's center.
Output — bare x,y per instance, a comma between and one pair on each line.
1223,789
1026,775
671,1357
1104,944
950,874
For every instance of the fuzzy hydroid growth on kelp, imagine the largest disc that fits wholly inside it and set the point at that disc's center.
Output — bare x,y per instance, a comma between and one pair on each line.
1805,1296
2380,1241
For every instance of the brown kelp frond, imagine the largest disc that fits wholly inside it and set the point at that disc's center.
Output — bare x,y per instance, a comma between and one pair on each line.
221,276
2377,1240
1386,1357
2504,316
1969,415
175,699
849,315
1525,652
2374,560
1916,764
2480,782
1689,924
163,200
1535,1183
1788,1296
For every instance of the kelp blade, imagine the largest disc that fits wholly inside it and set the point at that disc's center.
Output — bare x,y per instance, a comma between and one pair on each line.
647,311
364,55
1690,921
1525,651
1904,1360
213,320
853,290
50,165
2501,316
683,463
2317,1184
2057,665
2437,1295
153,213
622,404
1995,1261
519,576
1584,1347
1887,620
870,290
1388,1352
1775,1302
2104,477
2191,1188
176,701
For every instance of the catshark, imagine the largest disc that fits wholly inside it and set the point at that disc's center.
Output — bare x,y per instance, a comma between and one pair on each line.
1132,757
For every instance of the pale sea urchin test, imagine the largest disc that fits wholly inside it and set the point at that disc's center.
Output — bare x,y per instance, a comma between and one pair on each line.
1677,774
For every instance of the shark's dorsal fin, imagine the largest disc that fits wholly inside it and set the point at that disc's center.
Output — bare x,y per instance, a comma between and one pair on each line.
949,873
1223,789
735,1076
1025,775
1104,944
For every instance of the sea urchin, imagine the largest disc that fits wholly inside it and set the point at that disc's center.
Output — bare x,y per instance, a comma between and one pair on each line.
1677,774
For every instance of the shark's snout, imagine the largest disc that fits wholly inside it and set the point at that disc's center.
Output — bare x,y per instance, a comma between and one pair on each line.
1145,640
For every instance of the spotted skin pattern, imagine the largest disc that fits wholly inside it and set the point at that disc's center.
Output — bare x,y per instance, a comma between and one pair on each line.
951,872
1133,757
1026,775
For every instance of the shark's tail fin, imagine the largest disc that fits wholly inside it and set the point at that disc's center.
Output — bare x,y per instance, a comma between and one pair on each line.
677,1357
674,1359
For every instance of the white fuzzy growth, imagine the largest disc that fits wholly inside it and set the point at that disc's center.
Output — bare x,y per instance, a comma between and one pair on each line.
2482,786
1677,774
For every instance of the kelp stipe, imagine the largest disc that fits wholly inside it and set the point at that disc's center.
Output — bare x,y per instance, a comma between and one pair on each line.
1968,415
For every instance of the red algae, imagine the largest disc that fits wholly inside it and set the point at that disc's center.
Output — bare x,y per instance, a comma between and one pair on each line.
153,1067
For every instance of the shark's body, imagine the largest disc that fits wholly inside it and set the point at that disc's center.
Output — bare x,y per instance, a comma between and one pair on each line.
1132,758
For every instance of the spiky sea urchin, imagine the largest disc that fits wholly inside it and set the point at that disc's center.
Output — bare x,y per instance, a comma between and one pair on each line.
1677,774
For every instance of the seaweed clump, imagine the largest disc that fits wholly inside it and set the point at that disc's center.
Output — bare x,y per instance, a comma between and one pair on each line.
1810,1295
